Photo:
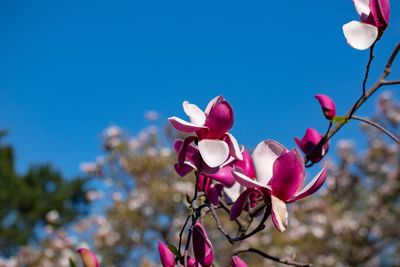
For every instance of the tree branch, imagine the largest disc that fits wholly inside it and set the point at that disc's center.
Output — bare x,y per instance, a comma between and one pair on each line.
273,258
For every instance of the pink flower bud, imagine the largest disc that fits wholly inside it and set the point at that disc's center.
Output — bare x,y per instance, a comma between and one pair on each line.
89,259
220,119
327,105
379,14
238,262
308,144
166,256
202,247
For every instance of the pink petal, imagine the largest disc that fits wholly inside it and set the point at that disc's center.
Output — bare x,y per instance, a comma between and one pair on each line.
380,12
219,120
238,262
223,175
89,259
360,35
213,192
279,213
213,152
327,105
183,169
183,152
246,165
166,256
202,247
239,204
247,181
311,187
288,175
264,156
195,114
184,126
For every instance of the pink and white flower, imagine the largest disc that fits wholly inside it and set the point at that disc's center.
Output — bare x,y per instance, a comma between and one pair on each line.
280,175
210,132
309,145
374,18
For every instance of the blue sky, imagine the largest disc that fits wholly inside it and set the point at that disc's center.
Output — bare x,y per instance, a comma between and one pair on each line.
68,69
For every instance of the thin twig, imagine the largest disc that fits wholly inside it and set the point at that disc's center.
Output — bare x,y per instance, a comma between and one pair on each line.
394,82
371,57
181,233
376,125
273,258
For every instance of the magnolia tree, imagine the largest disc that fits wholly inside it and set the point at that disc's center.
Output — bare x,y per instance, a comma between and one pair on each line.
213,203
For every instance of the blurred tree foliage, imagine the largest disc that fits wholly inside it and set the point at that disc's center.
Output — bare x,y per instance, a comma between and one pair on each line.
38,197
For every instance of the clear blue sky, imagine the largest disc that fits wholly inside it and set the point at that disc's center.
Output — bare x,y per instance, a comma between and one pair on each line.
68,69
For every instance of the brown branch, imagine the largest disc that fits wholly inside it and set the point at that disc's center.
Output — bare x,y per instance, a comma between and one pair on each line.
273,258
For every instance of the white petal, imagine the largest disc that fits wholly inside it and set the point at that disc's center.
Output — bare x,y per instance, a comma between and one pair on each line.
360,35
279,213
184,126
213,152
247,181
232,193
211,104
195,114
362,7
264,156
237,153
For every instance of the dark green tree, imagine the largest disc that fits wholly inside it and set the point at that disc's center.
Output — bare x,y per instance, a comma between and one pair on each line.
41,196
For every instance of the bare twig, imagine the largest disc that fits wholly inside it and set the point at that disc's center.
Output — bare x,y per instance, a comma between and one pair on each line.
371,57
376,125
273,258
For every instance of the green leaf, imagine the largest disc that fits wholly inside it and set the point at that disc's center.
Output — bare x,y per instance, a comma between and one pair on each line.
174,250
340,119
72,263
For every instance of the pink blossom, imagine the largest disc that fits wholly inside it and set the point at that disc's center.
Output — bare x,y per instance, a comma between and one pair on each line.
238,262
209,132
308,144
166,256
374,19
327,105
279,176
202,247
89,259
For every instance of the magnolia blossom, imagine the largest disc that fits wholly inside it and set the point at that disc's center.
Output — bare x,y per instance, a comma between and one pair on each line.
327,105
238,262
210,132
207,177
89,259
374,18
166,256
309,145
279,176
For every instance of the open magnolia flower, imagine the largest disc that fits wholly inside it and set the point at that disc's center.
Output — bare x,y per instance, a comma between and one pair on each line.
374,18
280,175
210,131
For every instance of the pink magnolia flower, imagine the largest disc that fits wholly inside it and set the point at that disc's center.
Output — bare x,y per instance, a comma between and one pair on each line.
210,131
279,177
166,256
374,18
327,105
202,247
308,144
89,259
238,262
